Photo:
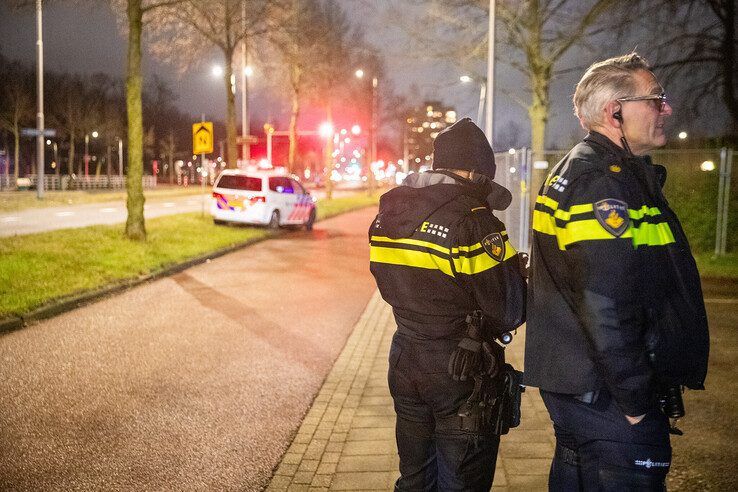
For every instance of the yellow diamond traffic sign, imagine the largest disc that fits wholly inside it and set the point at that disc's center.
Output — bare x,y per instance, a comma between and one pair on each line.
202,137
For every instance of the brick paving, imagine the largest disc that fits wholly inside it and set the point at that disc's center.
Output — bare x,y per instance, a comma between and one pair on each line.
347,441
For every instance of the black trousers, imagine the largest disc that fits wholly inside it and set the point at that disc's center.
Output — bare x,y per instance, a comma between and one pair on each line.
610,453
433,454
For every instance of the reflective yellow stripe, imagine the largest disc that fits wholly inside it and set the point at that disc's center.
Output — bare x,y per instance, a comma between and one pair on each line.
478,208
643,211
481,262
544,223
472,248
652,234
414,242
411,258
587,230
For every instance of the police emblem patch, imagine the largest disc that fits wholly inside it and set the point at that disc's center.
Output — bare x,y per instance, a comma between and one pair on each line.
612,215
494,245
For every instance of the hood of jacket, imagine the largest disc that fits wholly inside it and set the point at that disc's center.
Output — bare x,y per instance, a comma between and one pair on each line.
405,208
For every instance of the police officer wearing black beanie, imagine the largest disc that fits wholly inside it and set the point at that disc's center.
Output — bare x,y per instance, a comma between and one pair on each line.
444,263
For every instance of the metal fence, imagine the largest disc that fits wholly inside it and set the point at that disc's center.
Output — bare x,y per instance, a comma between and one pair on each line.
700,187
53,182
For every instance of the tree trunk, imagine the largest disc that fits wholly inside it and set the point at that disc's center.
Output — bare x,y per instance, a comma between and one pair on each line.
70,162
109,160
135,226
729,64
293,131
538,115
231,130
16,151
328,170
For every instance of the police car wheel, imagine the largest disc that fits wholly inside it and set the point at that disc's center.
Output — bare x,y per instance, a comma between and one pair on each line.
310,221
219,222
274,220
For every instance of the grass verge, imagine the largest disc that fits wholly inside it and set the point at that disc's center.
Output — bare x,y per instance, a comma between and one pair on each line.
37,269
13,201
723,267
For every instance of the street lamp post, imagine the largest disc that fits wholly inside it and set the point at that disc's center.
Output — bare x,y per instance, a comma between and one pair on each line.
40,101
245,124
120,157
465,79
489,120
373,137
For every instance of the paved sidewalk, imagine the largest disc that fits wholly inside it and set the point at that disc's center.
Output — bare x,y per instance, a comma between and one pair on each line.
346,441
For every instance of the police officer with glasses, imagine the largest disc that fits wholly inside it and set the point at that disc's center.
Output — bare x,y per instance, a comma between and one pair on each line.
616,320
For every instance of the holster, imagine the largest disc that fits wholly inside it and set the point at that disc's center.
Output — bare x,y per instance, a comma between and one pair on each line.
494,406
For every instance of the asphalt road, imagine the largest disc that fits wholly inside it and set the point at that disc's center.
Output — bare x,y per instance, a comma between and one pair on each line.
34,220
197,381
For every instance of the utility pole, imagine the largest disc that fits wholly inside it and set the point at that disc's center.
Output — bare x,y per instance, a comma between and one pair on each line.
40,102
490,88
245,123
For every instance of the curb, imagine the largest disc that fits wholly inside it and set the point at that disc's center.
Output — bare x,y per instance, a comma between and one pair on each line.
13,323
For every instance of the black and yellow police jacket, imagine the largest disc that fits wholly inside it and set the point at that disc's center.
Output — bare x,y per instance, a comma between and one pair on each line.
438,253
615,299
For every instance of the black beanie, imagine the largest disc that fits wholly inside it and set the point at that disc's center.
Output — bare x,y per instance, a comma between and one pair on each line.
463,145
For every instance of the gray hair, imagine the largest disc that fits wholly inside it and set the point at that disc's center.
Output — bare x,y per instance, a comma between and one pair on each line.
603,82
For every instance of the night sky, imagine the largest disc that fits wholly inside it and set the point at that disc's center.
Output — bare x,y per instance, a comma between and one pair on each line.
85,39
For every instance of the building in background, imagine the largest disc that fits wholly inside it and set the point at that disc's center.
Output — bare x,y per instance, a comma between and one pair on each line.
423,124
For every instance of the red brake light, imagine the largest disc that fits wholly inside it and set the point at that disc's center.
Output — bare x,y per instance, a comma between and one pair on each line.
257,199
217,195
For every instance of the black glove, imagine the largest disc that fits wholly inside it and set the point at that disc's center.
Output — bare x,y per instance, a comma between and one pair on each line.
465,360
490,359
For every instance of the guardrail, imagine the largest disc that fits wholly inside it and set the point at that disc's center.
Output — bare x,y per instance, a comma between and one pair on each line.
63,183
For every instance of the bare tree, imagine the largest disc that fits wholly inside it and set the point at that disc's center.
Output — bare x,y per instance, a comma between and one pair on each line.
197,26
136,14
308,31
536,34
696,46
16,103
329,78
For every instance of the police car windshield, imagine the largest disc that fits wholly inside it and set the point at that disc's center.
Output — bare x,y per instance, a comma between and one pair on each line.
246,183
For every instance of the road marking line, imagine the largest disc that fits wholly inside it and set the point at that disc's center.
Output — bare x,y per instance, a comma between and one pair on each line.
64,214
168,205
10,219
107,210
722,301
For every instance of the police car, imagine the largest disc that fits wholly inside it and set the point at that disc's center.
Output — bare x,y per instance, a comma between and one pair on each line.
263,197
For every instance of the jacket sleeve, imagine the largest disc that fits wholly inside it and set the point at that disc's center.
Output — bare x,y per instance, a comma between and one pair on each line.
487,266
598,248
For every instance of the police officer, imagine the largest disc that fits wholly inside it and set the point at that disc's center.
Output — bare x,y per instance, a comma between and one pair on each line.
616,321
439,254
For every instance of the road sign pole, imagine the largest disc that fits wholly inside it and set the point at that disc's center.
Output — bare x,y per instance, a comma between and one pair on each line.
202,173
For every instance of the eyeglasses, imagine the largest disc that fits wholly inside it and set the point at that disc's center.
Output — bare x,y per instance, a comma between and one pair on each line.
658,100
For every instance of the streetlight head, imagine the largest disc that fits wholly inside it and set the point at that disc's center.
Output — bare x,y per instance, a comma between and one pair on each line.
359,73
465,79
217,70
95,134
48,142
356,129
682,135
326,130
248,71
